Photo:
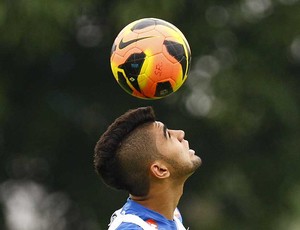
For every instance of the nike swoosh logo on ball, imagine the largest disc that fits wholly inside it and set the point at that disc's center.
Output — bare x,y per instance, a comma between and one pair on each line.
122,44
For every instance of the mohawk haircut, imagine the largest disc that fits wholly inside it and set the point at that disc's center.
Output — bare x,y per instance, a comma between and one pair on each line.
107,159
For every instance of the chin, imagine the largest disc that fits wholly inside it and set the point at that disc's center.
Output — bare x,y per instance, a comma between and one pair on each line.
197,162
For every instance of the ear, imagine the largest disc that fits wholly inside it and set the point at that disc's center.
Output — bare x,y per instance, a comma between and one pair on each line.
159,170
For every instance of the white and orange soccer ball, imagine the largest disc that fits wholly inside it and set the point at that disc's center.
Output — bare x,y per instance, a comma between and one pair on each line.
150,58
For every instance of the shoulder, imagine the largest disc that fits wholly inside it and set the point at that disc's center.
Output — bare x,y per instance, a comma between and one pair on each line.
129,226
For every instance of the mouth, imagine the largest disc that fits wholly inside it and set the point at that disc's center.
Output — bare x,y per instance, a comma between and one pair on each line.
192,152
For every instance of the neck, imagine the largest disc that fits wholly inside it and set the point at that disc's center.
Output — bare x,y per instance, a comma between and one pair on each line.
162,199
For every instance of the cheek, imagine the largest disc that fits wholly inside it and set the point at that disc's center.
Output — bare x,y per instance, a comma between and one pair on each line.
180,154
172,149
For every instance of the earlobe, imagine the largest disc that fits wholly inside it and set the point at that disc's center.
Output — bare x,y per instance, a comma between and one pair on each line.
159,170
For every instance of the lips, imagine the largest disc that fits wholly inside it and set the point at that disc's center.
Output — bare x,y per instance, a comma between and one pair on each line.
192,152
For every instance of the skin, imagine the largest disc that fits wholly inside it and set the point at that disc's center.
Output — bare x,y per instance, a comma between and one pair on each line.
169,173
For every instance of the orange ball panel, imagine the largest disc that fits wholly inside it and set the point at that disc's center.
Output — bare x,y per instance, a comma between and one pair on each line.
159,69
164,69
166,31
152,45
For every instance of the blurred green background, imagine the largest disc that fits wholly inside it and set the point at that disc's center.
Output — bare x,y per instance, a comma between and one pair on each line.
240,109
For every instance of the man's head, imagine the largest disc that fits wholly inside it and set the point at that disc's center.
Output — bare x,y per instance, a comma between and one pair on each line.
136,148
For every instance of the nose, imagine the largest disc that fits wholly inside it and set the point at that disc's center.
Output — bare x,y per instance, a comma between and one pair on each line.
179,134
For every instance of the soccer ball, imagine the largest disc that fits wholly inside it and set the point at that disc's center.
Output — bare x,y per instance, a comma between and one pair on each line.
150,58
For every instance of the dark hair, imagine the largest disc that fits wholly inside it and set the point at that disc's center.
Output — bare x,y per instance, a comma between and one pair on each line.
124,150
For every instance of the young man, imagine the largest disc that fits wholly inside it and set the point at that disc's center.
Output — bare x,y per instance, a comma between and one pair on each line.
142,156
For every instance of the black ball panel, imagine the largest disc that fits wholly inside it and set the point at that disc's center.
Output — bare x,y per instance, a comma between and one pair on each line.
163,89
132,68
123,83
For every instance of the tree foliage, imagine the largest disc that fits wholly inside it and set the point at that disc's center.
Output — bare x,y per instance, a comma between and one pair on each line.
239,108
